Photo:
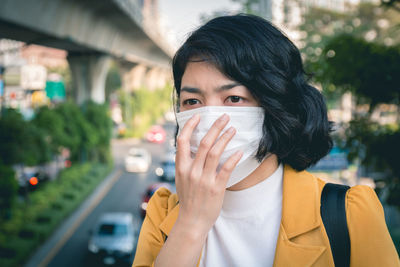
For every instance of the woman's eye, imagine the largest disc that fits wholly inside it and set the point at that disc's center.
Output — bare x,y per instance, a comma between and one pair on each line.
235,99
191,102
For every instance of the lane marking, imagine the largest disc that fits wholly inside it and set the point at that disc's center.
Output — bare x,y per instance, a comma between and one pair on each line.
78,222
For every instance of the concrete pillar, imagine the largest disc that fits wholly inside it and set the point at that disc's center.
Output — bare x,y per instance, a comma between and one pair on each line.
124,72
132,76
157,78
154,78
165,77
135,76
89,73
160,79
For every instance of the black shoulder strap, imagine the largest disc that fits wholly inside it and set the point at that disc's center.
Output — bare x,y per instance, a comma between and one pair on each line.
333,213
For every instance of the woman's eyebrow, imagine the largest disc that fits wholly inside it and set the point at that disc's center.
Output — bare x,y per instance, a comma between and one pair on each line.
192,90
226,87
195,90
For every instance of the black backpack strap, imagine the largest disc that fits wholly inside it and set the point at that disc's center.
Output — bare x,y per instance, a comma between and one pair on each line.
333,213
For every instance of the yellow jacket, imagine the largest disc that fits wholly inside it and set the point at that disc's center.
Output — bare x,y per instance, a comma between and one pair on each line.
302,239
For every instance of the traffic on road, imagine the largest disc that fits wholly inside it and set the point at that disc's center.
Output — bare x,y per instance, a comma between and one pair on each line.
108,234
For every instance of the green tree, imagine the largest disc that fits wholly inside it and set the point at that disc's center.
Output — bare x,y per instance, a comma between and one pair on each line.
140,110
113,80
8,190
82,136
368,21
359,52
21,141
53,126
370,71
395,4
98,117
248,6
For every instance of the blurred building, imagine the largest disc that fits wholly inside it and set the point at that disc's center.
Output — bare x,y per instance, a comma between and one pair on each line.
10,53
288,14
26,74
45,56
16,54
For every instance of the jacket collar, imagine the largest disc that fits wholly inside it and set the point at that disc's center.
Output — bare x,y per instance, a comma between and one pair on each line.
300,215
169,220
300,203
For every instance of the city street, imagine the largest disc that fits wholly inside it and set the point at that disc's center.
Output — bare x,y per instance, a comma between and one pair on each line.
90,95
124,196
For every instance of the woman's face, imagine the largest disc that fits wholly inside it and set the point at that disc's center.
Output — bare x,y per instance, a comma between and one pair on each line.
204,85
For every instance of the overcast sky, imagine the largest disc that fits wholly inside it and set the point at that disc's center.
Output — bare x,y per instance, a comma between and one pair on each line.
182,16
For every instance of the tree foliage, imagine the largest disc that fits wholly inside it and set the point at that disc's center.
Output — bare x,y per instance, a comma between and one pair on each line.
369,70
85,131
369,22
143,107
249,6
97,115
395,4
8,190
376,146
359,52
21,141
113,80
52,125
82,136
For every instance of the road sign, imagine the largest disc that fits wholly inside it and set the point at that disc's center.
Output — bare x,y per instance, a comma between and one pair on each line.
55,90
33,77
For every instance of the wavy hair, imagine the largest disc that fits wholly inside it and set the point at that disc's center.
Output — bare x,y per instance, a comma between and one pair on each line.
251,51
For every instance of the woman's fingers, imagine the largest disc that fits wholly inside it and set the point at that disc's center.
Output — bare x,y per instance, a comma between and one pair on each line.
208,141
214,154
183,140
228,167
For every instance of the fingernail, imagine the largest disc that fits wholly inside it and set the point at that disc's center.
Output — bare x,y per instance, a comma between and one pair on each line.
195,116
231,130
224,117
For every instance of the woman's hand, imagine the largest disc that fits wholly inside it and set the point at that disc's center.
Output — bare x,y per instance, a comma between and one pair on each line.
200,188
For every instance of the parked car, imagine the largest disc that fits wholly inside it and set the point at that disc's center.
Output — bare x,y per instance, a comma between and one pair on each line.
150,192
113,239
137,160
166,171
156,134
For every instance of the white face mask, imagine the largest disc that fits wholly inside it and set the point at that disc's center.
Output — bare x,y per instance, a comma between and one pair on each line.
248,122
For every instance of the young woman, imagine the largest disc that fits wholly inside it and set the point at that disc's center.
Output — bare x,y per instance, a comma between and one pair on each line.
249,125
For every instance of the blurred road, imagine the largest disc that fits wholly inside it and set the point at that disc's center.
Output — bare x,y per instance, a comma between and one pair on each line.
125,195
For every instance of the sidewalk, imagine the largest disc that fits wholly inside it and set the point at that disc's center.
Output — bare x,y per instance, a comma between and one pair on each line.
45,253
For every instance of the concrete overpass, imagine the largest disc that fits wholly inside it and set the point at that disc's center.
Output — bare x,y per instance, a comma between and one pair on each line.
93,32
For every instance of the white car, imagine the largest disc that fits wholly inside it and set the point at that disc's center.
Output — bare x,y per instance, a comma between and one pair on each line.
167,169
113,238
137,160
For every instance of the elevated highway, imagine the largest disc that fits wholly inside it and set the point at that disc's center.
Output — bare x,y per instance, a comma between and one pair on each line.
93,32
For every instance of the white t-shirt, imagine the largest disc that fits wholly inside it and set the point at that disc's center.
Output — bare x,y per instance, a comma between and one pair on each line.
246,231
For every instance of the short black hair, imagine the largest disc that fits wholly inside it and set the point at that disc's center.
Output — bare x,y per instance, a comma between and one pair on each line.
250,50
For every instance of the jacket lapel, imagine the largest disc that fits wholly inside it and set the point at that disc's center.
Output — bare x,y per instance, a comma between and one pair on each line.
169,220
300,215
